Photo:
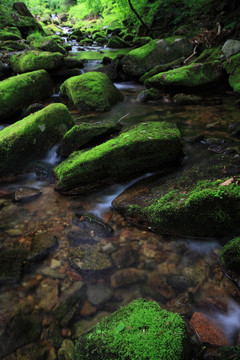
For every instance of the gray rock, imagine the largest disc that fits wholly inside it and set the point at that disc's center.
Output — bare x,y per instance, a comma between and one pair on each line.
231,47
98,293
89,258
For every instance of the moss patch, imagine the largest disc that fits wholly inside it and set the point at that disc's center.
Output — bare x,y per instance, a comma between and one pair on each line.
35,60
232,66
230,255
48,43
143,148
19,91
91,91
141,330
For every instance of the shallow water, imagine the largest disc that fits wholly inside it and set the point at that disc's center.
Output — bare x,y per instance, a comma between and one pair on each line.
175,267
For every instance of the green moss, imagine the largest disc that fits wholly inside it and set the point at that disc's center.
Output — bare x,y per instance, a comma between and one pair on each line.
161,68
5,17
190,76
230,255
143,51
13,45
116,42
232,66
31,137
96,55
141,330
8,34
143,148
52,29
47,43
229,352
19,91
209,55
91,91
35,60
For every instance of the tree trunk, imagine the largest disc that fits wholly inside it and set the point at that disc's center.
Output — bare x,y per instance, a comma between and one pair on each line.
138,16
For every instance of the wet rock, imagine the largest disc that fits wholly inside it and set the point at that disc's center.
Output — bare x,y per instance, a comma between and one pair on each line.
152,143
31,137
27,352
72,63
19,91
31,109
179,282
11,263
88,309
52,273
117,334
47,292
141,60
66,350
233,70
51,333
234,128
36,60
127,277
89,258
157,285
84,135
82,326
149,94
207,331
186,99
14,337
41,246
230,47
64,74
48,43
115,42
91,91
124,257
92,227
71,296
9,214
183,304
25,194
98,293
230,256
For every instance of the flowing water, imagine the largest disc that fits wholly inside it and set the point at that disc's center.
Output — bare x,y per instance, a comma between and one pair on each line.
182,274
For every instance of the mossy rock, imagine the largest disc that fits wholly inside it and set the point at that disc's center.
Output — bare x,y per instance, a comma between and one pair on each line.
48,43
36,60
140,330
19,91
143,148
230,255
88,258
209,55
91,91
13,45
5,18
10,34
143,59
141,41
11,263
229,352
232,67
191,77
80,136
193,203
86,41
52,29
115,42
32,137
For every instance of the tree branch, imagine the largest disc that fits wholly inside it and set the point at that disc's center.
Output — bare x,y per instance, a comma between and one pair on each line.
138,16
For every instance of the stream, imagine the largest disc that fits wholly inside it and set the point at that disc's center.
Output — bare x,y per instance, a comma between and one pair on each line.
182,273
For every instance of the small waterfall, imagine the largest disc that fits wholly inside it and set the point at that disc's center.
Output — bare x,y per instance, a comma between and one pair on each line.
52,157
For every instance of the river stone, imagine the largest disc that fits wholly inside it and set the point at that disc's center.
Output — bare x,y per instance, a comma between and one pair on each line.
41,246
140,330
156,52
98,293
20,331
19,91
232,66
11,263
127,277
91,225
74,295
230,47
66,350
36,60
84,135
81,326
145,147
88,258
25,194
91,91
189,78
186,99
31,137
10,214
195,203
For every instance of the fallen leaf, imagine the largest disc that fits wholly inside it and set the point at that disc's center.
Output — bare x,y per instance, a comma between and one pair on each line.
227,182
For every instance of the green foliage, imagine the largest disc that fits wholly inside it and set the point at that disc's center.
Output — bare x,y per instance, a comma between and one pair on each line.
230,255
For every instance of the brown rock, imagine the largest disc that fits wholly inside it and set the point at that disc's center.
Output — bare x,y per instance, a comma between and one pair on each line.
127,276
208,331
88,309
124,257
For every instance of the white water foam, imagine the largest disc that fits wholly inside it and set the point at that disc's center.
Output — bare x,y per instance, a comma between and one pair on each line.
52,157
202,247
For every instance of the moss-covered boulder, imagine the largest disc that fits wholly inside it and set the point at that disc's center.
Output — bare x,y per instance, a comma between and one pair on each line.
191,77
144,58
230,255
19,91
36,60
48,43
12,45
10,33
140,330
83,135
115,42
143,148
30,138
200,201
91,91
232,67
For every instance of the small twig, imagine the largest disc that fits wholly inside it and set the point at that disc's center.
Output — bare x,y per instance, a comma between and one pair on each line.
219,28
194,53
122,117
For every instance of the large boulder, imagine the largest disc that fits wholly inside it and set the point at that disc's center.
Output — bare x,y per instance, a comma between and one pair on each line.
232,67
140,330
19,91
30,138
115,42
91,91
143,148
230,47
36,60
47,43
200,201
230,255
191,77
10,33
143,59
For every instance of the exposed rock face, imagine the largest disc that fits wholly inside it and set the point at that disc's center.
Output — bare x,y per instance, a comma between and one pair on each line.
143,148
154,53
91,91
130,333
30,138
20,91
36,60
